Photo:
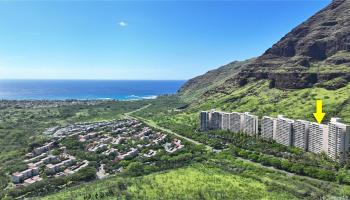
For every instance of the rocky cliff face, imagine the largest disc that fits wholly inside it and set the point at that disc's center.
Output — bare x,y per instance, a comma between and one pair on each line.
292,80
320,37
322,40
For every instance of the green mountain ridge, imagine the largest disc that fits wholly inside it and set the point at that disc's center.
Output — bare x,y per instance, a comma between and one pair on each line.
199,85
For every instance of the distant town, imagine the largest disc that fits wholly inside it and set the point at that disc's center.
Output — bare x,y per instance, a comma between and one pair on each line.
53,160
332,139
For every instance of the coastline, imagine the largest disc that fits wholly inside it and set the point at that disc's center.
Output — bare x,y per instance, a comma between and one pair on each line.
127,98
92,90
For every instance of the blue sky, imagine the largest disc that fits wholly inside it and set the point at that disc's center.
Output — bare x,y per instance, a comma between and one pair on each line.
139,40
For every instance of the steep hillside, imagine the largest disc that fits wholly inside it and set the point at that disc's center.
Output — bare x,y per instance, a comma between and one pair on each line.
258,98
199,85
315,53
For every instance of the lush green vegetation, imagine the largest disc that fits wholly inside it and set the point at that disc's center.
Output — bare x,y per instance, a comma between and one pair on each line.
221,176
261,101
296,104
256,98
133,166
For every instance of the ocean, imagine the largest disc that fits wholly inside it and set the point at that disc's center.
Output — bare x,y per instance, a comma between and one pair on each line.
86,89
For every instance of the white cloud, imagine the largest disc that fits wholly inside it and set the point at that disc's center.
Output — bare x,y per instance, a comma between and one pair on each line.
122,24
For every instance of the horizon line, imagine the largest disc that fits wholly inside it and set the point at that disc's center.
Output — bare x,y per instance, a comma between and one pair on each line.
39,79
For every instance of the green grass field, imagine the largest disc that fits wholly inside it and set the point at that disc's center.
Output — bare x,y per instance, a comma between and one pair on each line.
220,177
196,182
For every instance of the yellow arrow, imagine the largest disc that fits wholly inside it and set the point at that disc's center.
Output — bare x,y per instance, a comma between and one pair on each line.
319,115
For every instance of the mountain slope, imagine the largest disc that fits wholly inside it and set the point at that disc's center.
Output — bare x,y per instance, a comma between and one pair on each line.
259,99
315,53
199,85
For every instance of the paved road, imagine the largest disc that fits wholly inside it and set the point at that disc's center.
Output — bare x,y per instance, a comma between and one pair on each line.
144,107
154,125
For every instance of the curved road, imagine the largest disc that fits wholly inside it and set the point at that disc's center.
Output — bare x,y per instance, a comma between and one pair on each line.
154,125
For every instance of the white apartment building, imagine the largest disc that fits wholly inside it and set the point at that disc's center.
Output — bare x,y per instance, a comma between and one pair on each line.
210,118
216,120
225,121
19,177
318,138
268,127
332,139
301,134
204,120
54,168
99,147
236,121
43,149
250,124
338,139
284,131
